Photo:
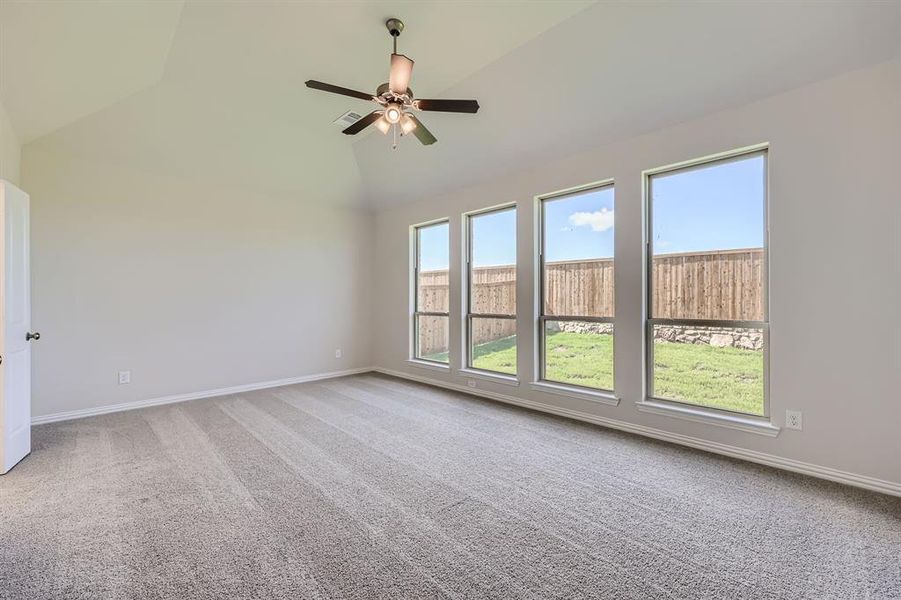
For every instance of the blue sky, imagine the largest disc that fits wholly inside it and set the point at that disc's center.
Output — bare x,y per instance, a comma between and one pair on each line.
434,247
494,238
715,208
579,226
718,207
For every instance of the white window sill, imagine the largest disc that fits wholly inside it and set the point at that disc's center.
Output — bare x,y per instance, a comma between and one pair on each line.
574,392
759,426
493,377
424,364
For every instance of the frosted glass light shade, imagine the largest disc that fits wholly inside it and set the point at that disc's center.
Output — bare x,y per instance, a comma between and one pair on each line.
393,113
383,125
407,124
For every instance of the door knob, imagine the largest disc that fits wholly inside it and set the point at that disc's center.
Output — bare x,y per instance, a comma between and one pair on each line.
32,336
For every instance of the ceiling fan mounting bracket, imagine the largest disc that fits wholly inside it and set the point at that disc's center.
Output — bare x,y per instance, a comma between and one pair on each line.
395,26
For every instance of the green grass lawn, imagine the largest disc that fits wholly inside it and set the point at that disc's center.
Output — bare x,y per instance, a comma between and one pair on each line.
584,359
727,378
499,356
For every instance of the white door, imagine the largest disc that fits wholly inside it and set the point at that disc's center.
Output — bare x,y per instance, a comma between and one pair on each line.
15,327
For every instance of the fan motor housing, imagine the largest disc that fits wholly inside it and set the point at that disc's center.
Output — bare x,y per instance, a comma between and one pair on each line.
384,89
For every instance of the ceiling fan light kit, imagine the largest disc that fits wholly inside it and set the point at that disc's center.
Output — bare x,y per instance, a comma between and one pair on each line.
395,99
392,113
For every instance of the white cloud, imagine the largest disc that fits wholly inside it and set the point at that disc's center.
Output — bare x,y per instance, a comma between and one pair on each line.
599,220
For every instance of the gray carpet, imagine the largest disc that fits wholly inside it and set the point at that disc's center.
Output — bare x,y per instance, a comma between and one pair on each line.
373,487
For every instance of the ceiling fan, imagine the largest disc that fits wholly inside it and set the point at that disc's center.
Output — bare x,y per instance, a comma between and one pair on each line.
395,99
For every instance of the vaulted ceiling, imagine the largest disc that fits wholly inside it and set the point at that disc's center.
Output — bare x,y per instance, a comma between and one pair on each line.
214,90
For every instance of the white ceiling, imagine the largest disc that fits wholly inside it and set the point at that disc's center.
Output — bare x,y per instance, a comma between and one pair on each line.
231,104
622,69
60,61
214,90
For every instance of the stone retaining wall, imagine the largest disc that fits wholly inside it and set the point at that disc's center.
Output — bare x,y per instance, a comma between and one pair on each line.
720,337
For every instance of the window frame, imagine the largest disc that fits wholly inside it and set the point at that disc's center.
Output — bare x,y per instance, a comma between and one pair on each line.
651,321
416,313
544,318
468,315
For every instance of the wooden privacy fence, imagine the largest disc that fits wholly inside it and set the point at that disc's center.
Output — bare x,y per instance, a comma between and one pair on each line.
726,285
579,287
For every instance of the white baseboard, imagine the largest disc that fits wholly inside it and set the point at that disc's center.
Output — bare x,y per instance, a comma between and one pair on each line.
862,481
111,408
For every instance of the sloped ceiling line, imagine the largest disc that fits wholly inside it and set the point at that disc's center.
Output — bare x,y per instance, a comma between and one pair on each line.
63,61
214,90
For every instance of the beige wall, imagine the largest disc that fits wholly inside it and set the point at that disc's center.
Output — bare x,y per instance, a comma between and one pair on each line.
189,286
196,286
834,202
10,152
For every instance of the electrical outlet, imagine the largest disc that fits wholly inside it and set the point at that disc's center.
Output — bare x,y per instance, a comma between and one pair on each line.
470,382
124,377
339,353
793,419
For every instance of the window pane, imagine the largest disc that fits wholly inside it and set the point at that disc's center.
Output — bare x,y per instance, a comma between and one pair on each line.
493,276
710,366
493,346
579,353
432,338
707,240
578,254
433,261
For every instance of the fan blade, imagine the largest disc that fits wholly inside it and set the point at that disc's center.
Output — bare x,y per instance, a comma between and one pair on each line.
455,106
363,123
401,71
327,87
422,134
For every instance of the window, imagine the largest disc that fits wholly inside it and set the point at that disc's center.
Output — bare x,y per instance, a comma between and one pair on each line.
707,312
432,293
576,262
491,302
